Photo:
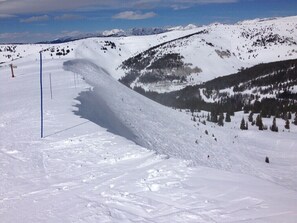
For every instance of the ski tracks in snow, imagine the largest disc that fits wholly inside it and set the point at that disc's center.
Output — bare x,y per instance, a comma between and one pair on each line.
106,178
82,173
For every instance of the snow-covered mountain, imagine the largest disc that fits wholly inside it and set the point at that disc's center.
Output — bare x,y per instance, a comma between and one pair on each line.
110,33
187,27
191,54
212,51
112,155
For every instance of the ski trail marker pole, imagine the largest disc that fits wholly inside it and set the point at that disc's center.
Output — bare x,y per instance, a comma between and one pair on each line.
12,72
41,97
50,78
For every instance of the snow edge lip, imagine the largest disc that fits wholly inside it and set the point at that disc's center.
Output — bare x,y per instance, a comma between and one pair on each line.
93,106
69,65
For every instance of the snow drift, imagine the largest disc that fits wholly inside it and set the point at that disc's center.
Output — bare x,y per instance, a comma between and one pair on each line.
143,121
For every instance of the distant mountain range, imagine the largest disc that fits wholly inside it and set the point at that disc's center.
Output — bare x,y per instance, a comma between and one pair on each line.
110,33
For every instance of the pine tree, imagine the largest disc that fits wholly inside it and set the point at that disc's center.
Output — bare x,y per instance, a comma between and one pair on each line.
259,122
242,124
295,120
274,127
287,125
246,126
221,120
251,117
289,115
246,109
214,117
228,118
267,159
277,114
285,116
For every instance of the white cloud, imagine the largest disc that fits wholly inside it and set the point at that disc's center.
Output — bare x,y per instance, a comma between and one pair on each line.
23,37
6,16
68,17
36,19
130,15
204,1
44,6
180,7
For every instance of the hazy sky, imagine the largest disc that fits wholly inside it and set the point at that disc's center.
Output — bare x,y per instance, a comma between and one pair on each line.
39,20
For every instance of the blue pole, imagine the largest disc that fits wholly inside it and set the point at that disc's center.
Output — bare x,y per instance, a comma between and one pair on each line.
41,97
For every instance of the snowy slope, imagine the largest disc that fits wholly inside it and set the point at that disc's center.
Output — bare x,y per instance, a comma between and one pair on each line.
218,50
111,155
82,173
112,51
129,114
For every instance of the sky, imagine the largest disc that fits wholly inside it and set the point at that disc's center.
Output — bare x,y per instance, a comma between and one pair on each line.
28,21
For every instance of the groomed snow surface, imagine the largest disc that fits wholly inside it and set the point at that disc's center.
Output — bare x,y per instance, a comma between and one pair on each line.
111,155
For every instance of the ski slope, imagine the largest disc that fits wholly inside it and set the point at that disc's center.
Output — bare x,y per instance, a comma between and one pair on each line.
111,155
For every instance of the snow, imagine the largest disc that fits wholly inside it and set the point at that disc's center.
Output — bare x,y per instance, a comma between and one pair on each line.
161,86
183,28
111,155
294,89
221,49
112,32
